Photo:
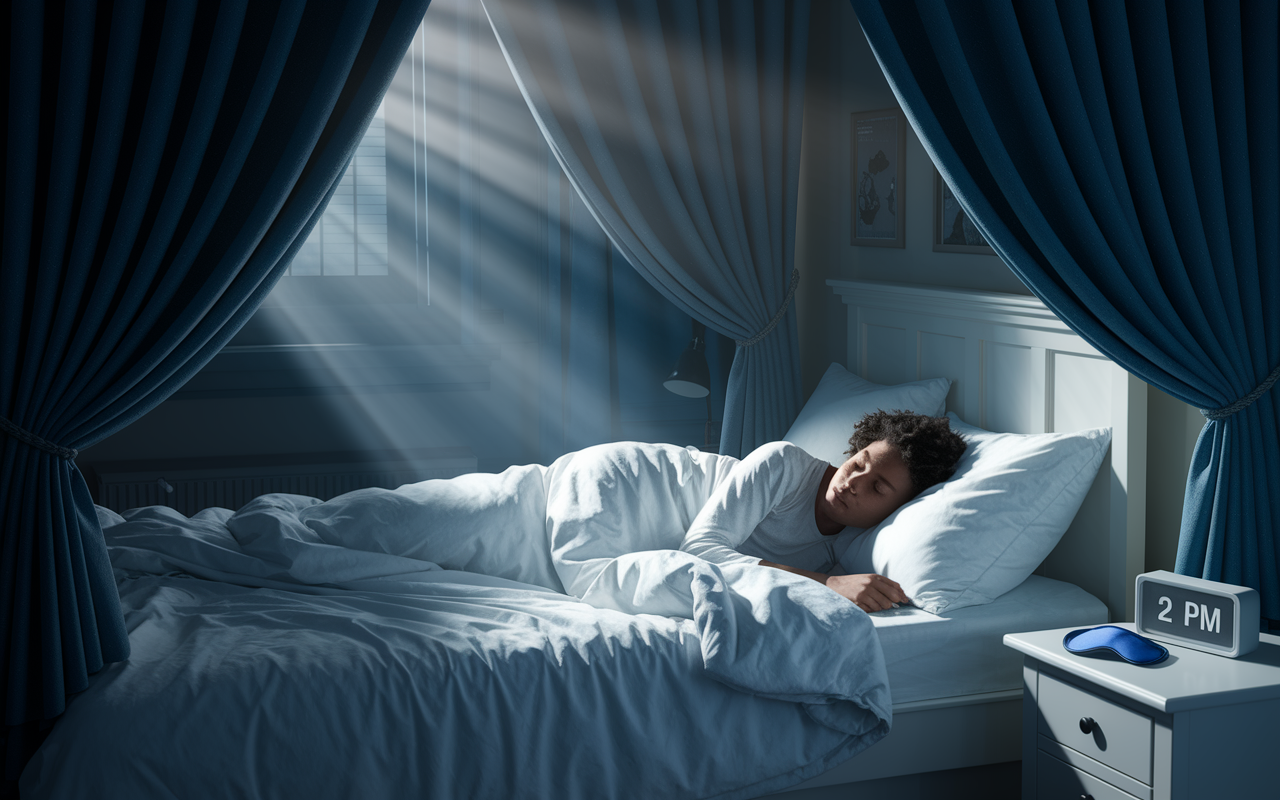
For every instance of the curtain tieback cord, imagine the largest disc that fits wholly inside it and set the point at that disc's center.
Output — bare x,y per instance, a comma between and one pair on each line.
1243,402
22,435
777,317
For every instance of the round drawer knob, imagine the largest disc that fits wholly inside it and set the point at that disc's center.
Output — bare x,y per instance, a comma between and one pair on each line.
1086,797
1087,725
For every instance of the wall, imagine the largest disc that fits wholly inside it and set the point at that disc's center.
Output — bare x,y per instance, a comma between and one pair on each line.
844,78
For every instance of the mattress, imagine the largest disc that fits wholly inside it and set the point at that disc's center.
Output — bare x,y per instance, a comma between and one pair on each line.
931,656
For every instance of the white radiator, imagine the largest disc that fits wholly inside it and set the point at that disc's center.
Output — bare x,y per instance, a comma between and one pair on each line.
191,485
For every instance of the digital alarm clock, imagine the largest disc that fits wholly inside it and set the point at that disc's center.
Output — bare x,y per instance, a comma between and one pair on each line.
1193,612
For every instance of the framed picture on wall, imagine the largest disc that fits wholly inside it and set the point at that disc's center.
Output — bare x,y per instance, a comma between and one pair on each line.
879,173
953,232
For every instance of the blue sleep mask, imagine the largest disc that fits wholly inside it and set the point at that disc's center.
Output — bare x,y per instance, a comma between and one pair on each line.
1123,642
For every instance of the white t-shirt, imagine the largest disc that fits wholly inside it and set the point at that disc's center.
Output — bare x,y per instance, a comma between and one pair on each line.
764,509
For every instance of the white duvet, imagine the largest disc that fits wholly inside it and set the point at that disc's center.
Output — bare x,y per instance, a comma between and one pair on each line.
420,643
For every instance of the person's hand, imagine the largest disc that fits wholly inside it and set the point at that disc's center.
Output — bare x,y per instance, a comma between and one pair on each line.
868,592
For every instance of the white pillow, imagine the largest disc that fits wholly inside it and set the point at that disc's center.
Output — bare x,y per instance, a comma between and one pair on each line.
842,399
969,540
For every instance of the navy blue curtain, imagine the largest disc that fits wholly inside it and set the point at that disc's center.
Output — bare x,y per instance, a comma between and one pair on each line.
679,126
162,163
1122,158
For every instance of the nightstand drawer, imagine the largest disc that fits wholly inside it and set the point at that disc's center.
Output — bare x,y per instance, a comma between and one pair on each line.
1098,728
1056,780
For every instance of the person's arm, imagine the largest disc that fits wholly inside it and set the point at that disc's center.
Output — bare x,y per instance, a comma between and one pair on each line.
752,490
868,592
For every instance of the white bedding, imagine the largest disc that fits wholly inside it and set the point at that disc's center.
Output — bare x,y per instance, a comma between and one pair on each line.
299,648
961,652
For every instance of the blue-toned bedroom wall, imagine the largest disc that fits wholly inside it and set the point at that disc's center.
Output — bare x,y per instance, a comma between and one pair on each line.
843,78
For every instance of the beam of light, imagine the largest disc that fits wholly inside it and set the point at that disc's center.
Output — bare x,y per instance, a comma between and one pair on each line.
514,363
400,391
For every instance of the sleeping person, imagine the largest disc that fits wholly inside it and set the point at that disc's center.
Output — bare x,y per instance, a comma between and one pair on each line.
778,507
892,457
563,525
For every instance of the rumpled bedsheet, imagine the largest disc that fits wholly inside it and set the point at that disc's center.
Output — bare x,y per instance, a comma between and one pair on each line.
429,642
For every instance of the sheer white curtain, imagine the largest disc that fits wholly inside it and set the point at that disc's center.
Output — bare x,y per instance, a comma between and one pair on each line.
679,124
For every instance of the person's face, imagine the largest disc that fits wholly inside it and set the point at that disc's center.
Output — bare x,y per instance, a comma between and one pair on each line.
868,487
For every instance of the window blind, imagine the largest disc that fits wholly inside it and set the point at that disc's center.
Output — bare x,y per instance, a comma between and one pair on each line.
351,236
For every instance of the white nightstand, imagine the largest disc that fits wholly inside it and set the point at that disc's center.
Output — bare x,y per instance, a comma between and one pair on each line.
1194,727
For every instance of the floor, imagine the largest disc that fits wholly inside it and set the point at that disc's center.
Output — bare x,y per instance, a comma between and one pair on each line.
992,782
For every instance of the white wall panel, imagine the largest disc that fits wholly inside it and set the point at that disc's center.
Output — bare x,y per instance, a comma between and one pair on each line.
1078,381
1006,392
891,355
943,356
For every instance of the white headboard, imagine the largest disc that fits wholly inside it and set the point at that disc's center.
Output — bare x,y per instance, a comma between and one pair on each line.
1015,367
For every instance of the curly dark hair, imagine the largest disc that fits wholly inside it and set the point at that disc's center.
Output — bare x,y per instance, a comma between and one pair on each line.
929,447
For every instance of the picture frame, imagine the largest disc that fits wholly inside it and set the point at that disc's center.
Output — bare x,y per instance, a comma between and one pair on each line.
952,232
878,142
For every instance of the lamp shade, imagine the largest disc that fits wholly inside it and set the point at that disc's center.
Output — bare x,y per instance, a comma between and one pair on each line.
691,377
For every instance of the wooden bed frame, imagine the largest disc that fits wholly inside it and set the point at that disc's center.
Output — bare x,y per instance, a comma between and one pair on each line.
1015,367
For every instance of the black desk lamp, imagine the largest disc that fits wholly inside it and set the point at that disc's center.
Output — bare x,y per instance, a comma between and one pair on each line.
692,376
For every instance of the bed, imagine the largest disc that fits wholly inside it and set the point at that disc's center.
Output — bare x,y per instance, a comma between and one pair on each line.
281,662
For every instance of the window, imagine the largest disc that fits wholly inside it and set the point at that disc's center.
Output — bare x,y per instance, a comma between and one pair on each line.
442,217
364,275
351,237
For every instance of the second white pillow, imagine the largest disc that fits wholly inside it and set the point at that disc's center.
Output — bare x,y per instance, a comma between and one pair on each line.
842,399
